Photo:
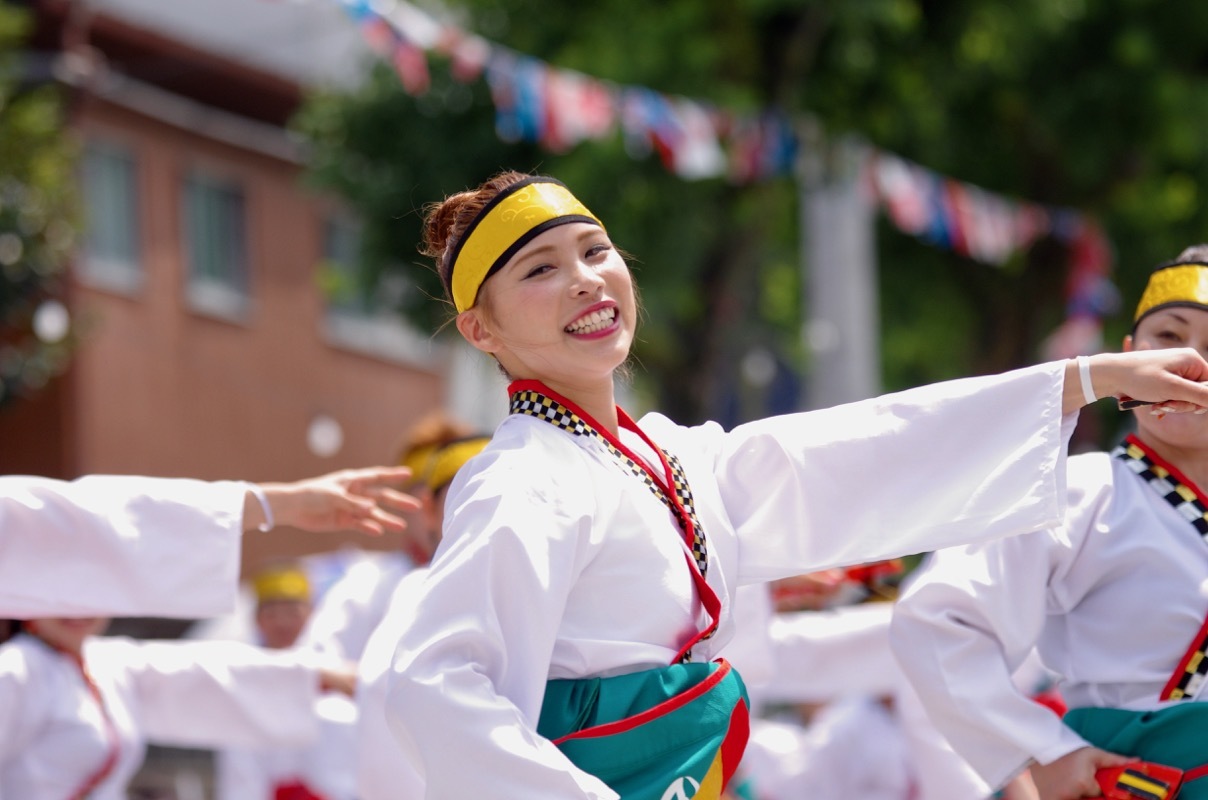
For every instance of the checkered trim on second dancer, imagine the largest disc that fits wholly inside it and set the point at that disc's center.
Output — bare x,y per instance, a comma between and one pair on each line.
1193,668
1174,491
535,404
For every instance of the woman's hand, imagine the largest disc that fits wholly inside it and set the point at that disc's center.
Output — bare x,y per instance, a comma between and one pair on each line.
341,679
1073,775
366,500
1172,377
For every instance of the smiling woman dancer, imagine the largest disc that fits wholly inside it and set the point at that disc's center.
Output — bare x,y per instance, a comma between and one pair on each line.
589,561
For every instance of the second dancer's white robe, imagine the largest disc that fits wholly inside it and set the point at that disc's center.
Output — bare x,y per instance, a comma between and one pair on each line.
1111,600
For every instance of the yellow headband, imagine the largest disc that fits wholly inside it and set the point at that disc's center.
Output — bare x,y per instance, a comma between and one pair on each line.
418,460
1179,284
507,223
282,584
451,458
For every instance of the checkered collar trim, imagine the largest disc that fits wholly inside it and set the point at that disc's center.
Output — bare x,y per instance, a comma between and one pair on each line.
1182,494
538,403
1185,497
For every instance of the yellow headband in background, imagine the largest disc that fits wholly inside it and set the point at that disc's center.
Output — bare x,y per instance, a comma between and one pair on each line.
453,457
284,583
507,223
1178,284
418,460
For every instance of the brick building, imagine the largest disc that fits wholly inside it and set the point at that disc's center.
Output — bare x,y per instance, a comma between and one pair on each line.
209,349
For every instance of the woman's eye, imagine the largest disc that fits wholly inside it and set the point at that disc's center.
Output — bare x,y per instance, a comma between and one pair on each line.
540,269
598,250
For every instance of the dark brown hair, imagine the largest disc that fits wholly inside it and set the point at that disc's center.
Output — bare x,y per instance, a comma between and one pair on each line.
446,222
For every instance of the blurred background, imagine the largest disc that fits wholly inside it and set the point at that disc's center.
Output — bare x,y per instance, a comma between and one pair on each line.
210,209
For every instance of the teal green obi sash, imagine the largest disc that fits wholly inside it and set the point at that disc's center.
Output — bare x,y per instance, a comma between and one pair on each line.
671,733
1175,735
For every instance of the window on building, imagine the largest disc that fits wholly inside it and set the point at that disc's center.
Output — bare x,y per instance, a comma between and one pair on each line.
111,253
363,317
216,247
340,273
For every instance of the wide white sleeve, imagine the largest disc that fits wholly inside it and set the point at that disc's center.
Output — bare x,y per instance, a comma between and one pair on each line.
961,461
119,546
470,671
964,625
210,694
347,613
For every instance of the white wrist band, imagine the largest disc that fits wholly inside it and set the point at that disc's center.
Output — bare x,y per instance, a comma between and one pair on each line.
1084,375
268,523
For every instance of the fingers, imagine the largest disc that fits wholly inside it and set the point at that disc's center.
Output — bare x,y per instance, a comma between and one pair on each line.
394,499
370,476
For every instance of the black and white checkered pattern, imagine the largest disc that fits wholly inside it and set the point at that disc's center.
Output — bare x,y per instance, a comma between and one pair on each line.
538,405
1186,501
1183,498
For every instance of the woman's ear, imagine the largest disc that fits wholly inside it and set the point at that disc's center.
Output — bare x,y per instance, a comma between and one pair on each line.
1128,343
475,331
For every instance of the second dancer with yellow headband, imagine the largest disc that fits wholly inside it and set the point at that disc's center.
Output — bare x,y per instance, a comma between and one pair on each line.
1113,600
565,640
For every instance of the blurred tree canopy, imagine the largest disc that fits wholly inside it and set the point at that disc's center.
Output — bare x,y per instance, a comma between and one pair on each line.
1089,104
37,210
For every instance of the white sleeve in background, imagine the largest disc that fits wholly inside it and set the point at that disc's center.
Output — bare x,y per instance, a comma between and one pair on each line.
118,546
212,694
470,671
383,769
967,460
966,622
348,612
242,774
827,655
324,767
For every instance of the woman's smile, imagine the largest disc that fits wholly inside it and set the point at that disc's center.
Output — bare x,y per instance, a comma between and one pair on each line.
599,320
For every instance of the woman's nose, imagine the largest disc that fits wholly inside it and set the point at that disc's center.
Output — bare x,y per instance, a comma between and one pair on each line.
587,278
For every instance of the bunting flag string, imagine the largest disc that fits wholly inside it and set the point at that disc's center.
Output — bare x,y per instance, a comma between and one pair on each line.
989,228
560,109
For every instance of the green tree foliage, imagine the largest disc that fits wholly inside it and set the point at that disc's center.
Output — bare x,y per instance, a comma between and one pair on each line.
1090,104
37,208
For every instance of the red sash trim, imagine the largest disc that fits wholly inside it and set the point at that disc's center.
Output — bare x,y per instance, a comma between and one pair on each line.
662,709
735,743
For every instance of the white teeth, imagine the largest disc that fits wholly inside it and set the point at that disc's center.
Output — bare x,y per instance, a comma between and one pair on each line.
595,321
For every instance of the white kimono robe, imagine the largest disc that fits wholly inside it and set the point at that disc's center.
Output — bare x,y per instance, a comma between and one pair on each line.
557,564
118,546
1084,594
53,735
